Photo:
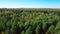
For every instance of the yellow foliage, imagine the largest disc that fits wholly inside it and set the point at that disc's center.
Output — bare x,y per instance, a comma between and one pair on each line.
42,13
47,32
2,32
37,17
22,16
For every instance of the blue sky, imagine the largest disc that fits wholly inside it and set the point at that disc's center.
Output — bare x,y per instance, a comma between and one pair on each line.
29,3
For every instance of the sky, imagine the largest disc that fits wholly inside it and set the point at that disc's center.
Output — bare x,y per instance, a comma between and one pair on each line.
29,3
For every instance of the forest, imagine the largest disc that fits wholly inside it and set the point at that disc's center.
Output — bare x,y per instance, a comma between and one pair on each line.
30,21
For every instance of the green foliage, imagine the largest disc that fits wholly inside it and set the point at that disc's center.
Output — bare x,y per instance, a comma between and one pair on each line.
58,32
51,29
28,31
37,30
8,31
30,21
57,26
22,32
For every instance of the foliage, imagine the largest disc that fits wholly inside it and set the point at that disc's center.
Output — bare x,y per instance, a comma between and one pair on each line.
29,21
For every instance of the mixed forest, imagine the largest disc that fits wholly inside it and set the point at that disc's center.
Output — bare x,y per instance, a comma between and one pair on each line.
30,21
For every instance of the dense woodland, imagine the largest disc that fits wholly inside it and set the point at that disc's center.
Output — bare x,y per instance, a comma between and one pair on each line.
30,21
